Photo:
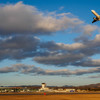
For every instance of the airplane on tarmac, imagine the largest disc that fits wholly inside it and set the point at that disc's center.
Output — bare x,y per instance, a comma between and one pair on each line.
97,16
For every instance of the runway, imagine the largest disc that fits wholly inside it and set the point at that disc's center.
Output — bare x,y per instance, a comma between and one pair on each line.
46,93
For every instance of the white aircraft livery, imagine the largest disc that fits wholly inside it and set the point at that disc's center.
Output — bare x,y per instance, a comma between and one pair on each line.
97,16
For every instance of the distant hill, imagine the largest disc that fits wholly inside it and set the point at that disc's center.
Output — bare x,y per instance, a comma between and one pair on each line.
65,86
92,85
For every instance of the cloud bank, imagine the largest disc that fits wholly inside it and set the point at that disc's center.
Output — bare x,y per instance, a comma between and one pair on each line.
33,70
77,54
19,26
26,19
18,47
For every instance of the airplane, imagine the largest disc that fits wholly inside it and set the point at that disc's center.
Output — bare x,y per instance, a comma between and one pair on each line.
97,16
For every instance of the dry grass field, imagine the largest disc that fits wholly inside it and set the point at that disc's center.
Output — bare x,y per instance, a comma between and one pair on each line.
51,97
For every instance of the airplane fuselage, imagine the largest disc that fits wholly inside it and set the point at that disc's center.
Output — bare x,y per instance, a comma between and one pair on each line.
97,16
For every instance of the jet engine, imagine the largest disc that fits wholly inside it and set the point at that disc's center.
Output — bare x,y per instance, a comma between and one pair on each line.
94,18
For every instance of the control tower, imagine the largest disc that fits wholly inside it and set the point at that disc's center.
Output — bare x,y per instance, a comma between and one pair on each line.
43,85
44,88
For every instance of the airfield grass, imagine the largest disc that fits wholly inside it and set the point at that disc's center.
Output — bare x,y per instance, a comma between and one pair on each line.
51,97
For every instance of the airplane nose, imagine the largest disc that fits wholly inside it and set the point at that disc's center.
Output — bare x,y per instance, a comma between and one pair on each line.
92,10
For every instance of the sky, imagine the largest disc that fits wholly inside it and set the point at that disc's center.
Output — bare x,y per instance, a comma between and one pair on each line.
51,41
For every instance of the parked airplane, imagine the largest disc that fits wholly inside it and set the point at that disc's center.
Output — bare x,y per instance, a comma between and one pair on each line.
97,16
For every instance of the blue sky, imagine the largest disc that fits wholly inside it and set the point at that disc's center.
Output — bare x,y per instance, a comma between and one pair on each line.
52,41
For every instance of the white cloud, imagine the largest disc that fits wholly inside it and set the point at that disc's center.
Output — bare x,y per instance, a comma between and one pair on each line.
21,18
25,19
60,60
33,70
77,54
88,29
95,76
61,8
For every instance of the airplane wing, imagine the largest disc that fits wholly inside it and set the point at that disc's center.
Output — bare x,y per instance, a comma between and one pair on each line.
95,13
94,21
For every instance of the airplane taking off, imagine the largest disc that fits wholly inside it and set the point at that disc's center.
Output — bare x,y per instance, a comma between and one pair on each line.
97,16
